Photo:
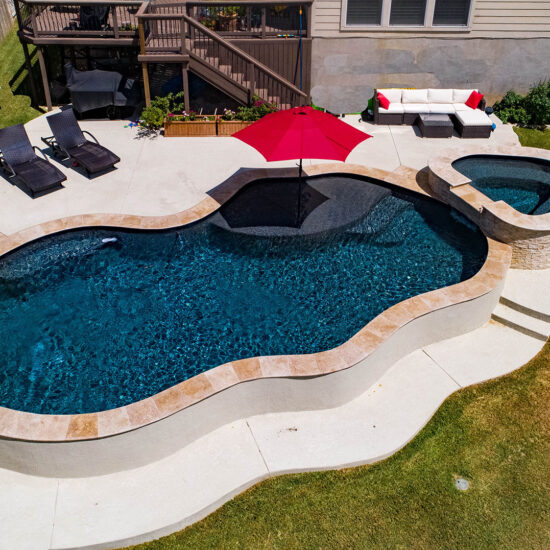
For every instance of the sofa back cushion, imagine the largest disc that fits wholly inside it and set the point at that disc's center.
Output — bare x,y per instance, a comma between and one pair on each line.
415,96
440,95
393,95
461,96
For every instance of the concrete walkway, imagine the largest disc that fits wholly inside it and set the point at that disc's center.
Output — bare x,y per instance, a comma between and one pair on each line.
160,176
141,504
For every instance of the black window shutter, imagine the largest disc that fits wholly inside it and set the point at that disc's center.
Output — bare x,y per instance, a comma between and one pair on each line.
407,12
451,12
364,12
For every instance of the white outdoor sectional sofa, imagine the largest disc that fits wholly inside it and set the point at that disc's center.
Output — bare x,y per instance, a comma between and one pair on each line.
407,104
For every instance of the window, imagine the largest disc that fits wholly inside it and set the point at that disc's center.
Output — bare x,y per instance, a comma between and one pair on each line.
364,12
385,14
407,12
451,12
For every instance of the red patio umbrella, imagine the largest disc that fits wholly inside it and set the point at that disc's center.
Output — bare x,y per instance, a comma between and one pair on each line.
301,133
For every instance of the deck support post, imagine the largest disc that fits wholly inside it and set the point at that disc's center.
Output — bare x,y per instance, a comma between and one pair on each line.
146,88
185,78
44,74
28,64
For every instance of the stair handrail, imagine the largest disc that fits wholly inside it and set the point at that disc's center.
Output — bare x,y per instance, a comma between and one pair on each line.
258,64
217,38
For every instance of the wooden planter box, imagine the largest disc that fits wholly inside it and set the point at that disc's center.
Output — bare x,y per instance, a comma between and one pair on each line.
229,127
188,128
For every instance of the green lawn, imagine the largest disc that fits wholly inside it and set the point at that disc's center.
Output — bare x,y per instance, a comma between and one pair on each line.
497,435
14,108
533,138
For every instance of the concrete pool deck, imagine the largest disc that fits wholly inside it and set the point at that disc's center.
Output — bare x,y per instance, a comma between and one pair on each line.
144,503
164,176
161,176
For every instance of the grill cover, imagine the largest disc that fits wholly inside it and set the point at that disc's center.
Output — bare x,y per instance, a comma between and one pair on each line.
97,88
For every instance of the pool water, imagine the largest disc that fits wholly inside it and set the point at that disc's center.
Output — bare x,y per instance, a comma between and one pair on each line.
88,326
522,183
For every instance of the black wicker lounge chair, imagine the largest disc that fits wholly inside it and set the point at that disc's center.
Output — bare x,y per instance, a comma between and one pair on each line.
18,159
68,140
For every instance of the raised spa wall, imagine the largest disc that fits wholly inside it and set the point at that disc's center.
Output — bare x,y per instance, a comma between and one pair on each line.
146,431
529,236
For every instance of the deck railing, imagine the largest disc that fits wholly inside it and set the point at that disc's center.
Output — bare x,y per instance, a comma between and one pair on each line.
118,18
255,19
85,18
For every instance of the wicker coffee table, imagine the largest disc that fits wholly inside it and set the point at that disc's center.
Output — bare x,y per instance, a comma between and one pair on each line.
435,126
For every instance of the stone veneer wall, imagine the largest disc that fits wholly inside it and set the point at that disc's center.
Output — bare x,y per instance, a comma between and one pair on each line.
343,69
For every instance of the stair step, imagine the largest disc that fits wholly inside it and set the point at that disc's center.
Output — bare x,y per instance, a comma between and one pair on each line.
522,322
525,309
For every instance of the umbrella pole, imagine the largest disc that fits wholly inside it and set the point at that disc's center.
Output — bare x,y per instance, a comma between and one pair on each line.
299,193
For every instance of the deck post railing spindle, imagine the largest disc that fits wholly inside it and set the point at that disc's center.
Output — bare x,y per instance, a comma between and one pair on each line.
115,21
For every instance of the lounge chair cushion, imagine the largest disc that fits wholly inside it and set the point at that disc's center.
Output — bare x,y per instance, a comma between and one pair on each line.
415,96
93,157
416,108
393,108
436,95
393,96
473,117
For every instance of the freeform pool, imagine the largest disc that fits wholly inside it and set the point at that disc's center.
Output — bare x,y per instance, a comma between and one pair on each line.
522,183
87,325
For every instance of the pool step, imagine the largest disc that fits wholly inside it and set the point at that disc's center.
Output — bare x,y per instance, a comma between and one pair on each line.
522,320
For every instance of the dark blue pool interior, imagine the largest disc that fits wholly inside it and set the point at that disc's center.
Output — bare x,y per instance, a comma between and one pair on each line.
522,183
88,326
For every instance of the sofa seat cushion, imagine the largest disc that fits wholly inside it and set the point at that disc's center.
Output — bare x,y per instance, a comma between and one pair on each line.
436,95
416,108
461,107
461,96
441,108
393,95
393,108
473,117
414,96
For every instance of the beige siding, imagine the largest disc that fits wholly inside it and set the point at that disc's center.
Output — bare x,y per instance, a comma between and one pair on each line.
490,18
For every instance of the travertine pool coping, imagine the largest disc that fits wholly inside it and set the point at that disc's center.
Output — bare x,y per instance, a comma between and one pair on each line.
17,425
460,185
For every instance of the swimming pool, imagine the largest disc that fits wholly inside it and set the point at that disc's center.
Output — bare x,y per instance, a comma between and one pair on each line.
522,183
88,325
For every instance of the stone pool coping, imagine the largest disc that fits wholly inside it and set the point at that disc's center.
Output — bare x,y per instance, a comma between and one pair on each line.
18,425
460,185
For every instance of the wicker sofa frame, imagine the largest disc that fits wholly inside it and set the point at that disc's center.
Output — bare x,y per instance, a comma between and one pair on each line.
410,118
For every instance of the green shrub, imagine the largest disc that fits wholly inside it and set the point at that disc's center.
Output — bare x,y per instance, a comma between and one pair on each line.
532,110
537,104
152,117
257,110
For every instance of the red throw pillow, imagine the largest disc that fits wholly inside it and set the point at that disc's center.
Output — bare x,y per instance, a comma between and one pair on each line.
474,99
383,100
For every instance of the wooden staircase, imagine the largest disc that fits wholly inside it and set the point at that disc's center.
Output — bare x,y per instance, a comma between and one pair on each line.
178,38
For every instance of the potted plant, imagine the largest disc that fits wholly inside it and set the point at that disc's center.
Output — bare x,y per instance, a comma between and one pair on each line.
227,18
189,124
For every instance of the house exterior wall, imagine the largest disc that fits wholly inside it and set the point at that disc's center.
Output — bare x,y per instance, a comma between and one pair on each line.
507,45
